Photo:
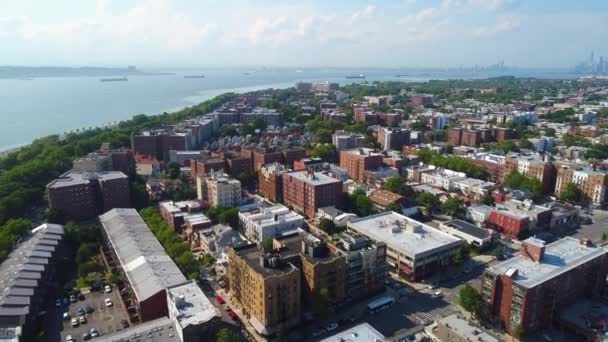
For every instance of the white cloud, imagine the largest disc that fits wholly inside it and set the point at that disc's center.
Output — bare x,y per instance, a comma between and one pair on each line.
504,24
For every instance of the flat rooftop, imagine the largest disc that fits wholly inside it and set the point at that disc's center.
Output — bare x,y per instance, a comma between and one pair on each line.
251,254
467,228
403,233
560,256
72,178
158,330
363,332
264,214
190,305
143,259
318,178
464,329
362,151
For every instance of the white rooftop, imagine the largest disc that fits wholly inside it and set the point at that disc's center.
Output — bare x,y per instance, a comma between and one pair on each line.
263,215
560,256
318,179
363,332
403,233
147,265
190,305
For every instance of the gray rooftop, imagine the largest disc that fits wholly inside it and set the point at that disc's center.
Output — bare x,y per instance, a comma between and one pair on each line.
363,332
189,305
144,260
72,178
21,271
318,178
158,330
560,256
464,329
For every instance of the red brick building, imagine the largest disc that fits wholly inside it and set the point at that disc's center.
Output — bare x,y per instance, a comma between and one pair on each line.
204,166
454,136
358,160
263,156
513,218
308,191
501,134
308,163
292,154
527,291
237,163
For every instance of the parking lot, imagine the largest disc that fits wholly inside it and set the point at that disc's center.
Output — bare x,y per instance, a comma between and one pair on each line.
105,319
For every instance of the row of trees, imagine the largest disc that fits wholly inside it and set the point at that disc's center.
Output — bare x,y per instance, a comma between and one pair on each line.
227,216
516,180
177,249
457,164
10,233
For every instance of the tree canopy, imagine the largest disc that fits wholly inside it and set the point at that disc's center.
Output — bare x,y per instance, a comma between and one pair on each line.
470,300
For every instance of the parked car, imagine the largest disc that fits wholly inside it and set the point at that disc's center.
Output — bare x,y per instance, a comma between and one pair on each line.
81,312
58,303
107,289
108,302
82,319
231,313
93,332
331,326
66,301
69,338
88,308
75,322
220,300
81,296
66,316
437,294
124,323
73,299
86,336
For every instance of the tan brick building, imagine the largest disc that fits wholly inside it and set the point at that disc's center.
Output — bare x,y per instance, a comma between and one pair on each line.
357,161
533,167
592,183
270,180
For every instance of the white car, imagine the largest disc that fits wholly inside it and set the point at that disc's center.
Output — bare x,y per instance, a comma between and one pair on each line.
107,288
437,294
66,316
69,338
108,302
75,322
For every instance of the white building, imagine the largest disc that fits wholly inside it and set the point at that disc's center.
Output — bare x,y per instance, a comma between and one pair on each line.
344,140
261,221
414,249
363,332
216,239
470,233
219,189
442,178
474,187
479,213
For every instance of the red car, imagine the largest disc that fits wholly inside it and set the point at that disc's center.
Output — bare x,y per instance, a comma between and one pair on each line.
220,300
231,314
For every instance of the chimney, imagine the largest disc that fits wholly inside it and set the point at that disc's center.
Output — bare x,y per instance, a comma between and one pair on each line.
534,249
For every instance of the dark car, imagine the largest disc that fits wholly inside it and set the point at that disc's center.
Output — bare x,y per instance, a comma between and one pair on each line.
80,296
86,336
81,312
88,308
124,323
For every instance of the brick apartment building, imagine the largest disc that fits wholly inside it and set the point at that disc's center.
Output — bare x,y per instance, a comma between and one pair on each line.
200,168
237,163
358,160
83,195
592,183
345,140
533,167
270,182
393,138
474,137
528,290
308,191
495,170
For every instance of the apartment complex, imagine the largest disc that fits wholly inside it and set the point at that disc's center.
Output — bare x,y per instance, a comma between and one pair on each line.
106,159
270,182
267,287
84,195
533,166
308,191
393,138
177,214
358,160
187,135
26,280
591,183
414,250
219,190
345,140
261,221
271,117
527,290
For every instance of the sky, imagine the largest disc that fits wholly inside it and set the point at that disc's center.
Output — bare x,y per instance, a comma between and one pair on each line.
303,33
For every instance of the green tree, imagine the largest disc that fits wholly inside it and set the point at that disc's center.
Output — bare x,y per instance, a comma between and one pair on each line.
571,194
85,252
419,126
259,123
322,136
470,300
327,152
506,146
428,201
394,184
230,217
208,259
453,206
394,207
55,216
226,335
173,170
327,226
526,144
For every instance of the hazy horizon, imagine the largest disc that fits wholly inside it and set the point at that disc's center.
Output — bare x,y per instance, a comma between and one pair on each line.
306,33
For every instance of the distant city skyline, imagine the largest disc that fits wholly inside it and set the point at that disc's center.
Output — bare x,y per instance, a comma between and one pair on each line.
308,33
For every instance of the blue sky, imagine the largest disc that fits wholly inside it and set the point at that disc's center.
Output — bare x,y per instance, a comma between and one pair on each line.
380,33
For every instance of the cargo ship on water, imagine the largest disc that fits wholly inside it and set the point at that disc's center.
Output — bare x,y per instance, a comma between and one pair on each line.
114,79
355,76
194,76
